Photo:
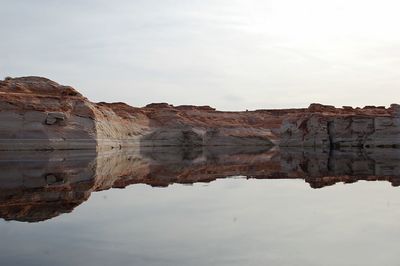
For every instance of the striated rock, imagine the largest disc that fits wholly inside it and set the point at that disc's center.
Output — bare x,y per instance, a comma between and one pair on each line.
55,117
39,114
306,131
395,109
333,131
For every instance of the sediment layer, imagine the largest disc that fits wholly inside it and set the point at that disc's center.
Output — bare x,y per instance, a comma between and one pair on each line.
39,114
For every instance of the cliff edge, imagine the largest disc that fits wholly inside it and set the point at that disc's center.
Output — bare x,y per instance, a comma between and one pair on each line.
39,114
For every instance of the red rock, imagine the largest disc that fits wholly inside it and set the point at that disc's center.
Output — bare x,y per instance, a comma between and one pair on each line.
159,105
37,113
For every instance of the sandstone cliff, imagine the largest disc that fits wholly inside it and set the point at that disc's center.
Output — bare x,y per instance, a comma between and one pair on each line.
330,127
39,114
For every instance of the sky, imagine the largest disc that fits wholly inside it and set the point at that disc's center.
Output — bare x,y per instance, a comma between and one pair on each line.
232,55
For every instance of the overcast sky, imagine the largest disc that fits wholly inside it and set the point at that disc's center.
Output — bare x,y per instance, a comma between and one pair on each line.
232,55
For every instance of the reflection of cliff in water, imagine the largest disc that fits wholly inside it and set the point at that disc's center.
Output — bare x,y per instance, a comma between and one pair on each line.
42,185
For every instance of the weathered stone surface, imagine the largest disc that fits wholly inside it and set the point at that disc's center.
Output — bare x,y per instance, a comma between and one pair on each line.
55,117
39,114
306,131
337,130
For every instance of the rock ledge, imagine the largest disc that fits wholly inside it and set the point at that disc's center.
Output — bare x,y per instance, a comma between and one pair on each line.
39,114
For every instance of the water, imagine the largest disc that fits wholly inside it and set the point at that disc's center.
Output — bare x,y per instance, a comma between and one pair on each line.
252,207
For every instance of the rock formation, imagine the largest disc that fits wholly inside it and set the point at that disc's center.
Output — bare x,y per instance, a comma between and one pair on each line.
329,127
39,114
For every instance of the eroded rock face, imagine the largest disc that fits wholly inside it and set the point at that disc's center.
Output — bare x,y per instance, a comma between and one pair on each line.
39,114
333,128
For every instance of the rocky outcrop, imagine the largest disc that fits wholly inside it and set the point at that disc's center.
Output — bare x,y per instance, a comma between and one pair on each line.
39,114
330,127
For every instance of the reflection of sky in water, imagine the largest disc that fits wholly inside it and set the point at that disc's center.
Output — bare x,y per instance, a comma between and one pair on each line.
227,222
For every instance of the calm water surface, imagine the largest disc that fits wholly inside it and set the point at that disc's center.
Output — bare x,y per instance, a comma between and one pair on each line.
229,221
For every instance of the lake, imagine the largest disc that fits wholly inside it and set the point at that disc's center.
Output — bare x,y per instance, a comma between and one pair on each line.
205,206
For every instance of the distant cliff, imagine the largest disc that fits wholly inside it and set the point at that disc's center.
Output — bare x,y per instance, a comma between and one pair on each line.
39,114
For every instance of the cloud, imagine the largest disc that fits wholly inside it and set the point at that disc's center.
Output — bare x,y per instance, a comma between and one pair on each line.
228,54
